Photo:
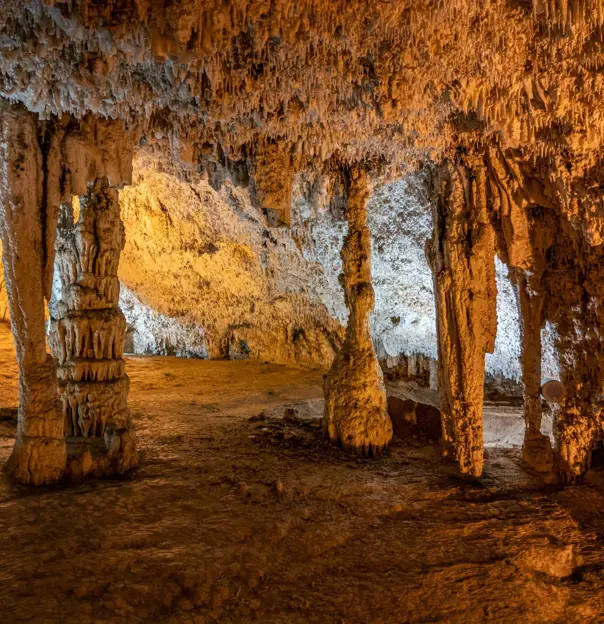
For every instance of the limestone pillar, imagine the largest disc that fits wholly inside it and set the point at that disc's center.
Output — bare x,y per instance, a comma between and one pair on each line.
356,414
39,453
87,335
580,417
462,257
537,449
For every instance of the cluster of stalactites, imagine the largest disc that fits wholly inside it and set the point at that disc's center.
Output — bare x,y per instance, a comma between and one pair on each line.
346,78
493,200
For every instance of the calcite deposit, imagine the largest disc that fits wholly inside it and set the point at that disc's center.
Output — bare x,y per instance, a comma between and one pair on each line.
355,397
87,332
497,103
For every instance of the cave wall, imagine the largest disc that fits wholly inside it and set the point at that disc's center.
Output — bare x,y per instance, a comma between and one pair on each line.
202,270
206,276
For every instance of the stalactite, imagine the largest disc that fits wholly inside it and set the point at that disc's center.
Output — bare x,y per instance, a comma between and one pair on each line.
355,397
273,175
39,455
462,258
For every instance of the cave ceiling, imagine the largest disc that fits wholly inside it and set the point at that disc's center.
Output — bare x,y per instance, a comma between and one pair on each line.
389,83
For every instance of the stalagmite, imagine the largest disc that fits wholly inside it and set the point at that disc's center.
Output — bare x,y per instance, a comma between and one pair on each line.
39,453
461,255
87,335
537,449
355,397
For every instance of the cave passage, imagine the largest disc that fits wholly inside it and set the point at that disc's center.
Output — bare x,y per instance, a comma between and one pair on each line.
301,311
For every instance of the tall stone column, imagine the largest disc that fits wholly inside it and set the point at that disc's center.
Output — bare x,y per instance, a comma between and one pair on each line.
39,453
580,417
537,450
356,414
87,335
462,257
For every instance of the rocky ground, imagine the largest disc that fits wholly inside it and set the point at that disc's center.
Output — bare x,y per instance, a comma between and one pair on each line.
240,512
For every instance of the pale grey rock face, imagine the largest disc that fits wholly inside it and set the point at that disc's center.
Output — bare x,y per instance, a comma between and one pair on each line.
403,319
152,333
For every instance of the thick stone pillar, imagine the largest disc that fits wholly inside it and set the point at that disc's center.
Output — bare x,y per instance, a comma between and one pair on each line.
356,413
39,453
537,450
580,417
462,257
87,336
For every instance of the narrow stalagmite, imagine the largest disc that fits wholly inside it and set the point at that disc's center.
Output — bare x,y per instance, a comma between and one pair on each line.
537,449
87,335
461,254
355,397
39,454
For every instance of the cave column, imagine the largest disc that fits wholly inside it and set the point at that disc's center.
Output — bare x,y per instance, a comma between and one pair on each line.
462,257
39,455
537,450
87,335
580,417
355,396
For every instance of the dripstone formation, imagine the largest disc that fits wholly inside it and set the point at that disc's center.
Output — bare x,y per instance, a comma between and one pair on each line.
87,332
500,101
39,454
462,258
356,413
73,415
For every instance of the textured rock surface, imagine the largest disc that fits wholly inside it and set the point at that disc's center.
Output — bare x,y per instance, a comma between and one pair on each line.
266,91
39,455
400,221
356,415
462,258
86,334
209,263
232,520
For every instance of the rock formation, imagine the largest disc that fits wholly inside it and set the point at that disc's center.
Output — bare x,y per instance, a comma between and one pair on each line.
462,257
39,454
509,116
355,397
44,163
87,334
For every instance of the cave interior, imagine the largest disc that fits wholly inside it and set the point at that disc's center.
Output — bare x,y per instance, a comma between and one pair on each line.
301,311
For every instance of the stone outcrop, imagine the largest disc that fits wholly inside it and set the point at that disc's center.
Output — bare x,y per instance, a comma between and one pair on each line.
356,414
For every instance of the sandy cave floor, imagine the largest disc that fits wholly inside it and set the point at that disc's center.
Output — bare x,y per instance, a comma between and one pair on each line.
236,520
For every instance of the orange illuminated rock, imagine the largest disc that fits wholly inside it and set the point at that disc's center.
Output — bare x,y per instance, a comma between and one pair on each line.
355,397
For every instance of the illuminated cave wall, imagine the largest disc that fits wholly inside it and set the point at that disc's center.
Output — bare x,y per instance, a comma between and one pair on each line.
204,275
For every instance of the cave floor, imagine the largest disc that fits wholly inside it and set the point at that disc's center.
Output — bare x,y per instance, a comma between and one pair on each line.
236,520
